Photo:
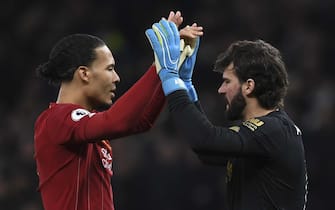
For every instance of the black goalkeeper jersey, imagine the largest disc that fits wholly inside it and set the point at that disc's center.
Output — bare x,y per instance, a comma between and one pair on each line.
266,162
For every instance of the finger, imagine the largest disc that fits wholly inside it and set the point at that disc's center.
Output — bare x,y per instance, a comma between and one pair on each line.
192,28
196,28
185,34
197,33
157,30
180,21
171,16
175,32
179,17
167,30
188,50
190,34
182,44
176,18
151,35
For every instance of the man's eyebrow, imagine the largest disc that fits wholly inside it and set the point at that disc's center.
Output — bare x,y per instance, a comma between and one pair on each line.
111,65
225,78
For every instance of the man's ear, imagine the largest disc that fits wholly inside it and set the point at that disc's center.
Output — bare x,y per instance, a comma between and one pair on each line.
83,73
249,86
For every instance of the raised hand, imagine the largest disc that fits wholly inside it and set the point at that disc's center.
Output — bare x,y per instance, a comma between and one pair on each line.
188,32
165,42
189,47
189,55
189,44
176,18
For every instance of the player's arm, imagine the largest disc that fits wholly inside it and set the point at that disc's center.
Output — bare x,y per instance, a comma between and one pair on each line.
132,113
205,138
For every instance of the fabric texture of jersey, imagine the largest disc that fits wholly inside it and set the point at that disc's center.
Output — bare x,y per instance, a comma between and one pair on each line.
72,150
266,166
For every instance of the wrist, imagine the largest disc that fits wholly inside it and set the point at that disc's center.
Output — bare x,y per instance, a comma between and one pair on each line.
192,93
188,82
172,84
165,74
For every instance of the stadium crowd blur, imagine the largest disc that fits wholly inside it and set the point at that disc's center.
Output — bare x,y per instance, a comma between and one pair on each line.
157,170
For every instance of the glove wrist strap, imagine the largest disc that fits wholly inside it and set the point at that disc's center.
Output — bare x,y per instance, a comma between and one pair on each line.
172,84
192,93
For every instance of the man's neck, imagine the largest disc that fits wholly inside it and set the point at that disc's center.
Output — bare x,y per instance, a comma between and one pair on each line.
73,95
253,110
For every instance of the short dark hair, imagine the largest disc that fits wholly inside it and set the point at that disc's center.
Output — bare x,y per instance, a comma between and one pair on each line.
261,62
67,55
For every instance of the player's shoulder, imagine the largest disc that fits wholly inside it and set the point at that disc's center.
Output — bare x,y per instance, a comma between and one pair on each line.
58,109
271,123
278,118
73,112
61,111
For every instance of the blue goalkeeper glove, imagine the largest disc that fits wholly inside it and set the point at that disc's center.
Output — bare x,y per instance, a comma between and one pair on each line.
189,55
165,42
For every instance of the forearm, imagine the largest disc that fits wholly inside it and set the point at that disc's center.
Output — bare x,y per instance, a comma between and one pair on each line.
199,132
153,109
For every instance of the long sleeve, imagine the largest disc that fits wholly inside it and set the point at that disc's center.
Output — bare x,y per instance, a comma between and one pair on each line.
204,137
200,133
132,113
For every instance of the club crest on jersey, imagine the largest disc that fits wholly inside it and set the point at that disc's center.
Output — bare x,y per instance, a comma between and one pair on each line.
77,114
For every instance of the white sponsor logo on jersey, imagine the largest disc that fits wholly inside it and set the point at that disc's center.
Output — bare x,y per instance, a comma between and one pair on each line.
77,114
107,160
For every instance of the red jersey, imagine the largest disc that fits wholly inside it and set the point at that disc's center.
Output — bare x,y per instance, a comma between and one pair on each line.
72,151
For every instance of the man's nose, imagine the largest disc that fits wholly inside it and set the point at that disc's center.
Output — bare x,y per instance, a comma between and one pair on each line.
116,77
222,89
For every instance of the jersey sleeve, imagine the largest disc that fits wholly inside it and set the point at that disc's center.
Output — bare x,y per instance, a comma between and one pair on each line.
132,113
249,138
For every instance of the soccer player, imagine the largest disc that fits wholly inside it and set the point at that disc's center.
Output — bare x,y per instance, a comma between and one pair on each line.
266,162
72,150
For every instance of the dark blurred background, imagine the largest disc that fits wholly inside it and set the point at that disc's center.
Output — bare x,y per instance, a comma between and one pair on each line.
157,170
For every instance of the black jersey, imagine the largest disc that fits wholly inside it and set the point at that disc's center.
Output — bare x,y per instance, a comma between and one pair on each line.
266,162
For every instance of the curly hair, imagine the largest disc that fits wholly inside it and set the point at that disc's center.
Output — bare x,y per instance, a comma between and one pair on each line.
67,54
261,62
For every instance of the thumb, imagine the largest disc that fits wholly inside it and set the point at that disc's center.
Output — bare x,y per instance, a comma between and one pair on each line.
188,50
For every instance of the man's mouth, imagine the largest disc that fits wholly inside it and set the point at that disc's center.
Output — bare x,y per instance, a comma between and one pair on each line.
113,93
225,101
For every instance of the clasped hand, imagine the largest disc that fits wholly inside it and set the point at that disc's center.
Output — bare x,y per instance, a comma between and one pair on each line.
172,54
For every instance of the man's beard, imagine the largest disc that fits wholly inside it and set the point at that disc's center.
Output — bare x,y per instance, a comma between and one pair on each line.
236,107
